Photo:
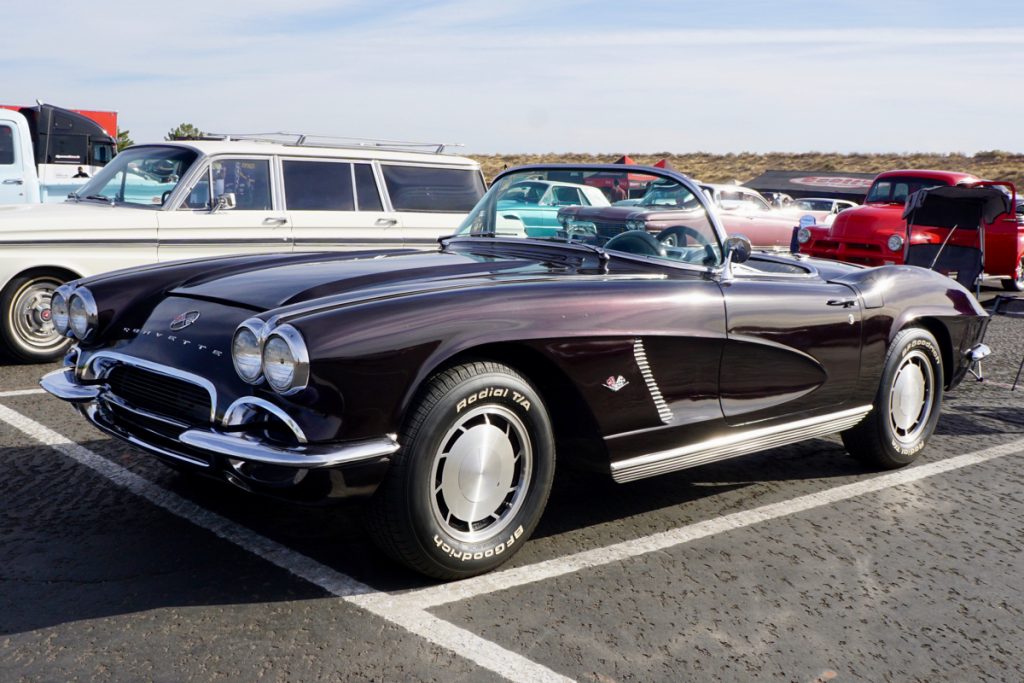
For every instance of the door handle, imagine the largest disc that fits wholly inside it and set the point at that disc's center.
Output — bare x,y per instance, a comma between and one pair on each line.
845,303
14,181
275,220
385,222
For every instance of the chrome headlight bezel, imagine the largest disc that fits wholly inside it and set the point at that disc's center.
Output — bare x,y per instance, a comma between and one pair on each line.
803,235
299,356
895,242
255,327
91,313
59,306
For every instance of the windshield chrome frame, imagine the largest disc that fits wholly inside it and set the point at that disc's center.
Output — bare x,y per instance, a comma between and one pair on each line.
666,174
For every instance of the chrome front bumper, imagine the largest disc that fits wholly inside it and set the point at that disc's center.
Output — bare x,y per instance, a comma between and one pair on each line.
235,446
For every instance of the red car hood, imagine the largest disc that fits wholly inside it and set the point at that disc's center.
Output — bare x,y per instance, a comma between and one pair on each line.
865,222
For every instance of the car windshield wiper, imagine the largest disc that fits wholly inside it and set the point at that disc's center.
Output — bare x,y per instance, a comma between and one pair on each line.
101,198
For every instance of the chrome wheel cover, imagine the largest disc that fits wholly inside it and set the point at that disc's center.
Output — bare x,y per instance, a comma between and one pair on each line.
481,473
30,318
911,397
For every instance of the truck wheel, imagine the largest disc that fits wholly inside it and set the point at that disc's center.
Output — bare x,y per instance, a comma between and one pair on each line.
1015,283
907,404
26,327
473,475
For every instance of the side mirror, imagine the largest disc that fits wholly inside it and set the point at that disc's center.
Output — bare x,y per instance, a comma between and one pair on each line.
737,249
224,202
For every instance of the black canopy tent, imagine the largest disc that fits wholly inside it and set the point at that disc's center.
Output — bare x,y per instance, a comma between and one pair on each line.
832,184
954,208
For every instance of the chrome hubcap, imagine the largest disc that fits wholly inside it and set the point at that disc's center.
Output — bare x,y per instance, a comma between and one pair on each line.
481,473
910,399
31,318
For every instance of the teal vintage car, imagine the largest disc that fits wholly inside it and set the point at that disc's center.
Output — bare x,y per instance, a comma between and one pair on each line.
529,208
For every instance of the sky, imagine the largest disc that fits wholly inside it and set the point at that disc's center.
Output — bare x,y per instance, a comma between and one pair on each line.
640,76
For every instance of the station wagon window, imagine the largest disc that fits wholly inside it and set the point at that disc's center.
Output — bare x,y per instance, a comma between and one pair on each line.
6,146
422,188
318,186
367,193
140,176
247,179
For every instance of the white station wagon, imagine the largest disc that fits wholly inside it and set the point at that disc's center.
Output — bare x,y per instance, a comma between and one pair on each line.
183,200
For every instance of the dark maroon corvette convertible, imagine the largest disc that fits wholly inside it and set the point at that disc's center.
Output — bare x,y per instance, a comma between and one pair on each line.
442,384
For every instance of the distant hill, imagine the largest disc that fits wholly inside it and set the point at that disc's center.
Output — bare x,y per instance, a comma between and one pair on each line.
717,168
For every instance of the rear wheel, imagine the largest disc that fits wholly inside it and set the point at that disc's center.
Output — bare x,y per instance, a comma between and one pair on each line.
27,327
473,476
907,405
1015,283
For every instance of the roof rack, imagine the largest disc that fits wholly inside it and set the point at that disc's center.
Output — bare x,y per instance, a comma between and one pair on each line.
307,140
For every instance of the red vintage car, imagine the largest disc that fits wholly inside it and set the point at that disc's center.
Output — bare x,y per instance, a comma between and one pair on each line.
874,234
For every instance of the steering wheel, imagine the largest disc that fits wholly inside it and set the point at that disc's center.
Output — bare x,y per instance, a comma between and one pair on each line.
676,235
636,242
164,196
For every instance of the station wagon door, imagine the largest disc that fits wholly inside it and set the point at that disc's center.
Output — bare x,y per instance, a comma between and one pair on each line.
197,228
793,343
431,201
337,205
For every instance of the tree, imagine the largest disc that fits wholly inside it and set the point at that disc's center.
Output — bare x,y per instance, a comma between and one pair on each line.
124,139
185,131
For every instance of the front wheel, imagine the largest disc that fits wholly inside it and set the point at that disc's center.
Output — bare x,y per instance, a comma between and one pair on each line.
27,327
907,405
1015,283
473,475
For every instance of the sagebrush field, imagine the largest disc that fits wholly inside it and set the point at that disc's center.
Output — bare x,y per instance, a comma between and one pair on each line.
717,168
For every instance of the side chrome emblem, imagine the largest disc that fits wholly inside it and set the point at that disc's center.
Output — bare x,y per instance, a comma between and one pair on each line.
615,383
183,320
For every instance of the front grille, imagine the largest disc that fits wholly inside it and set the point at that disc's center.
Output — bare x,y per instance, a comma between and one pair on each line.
161,394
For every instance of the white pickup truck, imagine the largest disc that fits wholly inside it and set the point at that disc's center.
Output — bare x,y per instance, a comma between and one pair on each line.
47,152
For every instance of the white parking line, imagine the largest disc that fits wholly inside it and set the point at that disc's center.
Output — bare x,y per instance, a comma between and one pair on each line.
511,578
442,633
21,392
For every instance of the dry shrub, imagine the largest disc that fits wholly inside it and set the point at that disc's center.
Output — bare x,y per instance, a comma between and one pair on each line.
717,168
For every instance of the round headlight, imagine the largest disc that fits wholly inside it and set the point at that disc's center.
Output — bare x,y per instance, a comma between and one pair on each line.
245,352
59,311
285,360
634,225
803,235
895,242
82,316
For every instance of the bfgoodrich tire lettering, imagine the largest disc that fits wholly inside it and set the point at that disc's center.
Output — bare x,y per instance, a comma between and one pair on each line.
473,476
907,404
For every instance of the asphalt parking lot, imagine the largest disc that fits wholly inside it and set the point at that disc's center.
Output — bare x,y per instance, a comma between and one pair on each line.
793,564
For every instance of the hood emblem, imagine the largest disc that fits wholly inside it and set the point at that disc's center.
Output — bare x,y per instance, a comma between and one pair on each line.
183,320
615,383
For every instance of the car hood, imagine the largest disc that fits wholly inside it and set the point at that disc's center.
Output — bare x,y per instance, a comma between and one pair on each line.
866,221
26,221
341,277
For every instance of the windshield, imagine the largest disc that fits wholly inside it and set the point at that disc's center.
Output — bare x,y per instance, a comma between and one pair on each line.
140,176
895,190
669,223
814,204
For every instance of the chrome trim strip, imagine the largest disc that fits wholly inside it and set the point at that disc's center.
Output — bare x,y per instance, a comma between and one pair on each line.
61,383
640,354
88,371
91,411
305,457
236,414
734,445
